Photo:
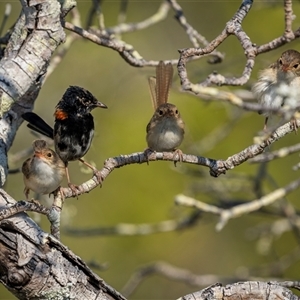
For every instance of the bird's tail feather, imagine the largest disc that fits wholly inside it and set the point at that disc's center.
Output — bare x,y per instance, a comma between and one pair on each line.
37,124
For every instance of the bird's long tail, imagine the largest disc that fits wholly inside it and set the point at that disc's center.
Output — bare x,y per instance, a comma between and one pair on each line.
37,124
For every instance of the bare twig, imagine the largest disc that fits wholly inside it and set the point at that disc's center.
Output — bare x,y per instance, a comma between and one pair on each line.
96,10
246,290
288,18
159,16
53,214
182,275
194,36
137,229
22,206
270,156
238,210
217,167
171,272
233,27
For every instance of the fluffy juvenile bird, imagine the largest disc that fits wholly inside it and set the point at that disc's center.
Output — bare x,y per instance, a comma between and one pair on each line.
44,171
73,128
165,131
285,71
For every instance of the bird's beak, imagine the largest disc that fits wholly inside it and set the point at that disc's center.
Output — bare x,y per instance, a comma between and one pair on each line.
170,113
38,154
101,105
285,68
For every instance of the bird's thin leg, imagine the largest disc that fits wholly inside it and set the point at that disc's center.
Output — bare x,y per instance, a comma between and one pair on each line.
72,186
294,124
147,153
55,192
96,172
180,155
265,125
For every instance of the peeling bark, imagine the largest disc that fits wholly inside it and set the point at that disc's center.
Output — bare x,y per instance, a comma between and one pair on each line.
251,290
34,265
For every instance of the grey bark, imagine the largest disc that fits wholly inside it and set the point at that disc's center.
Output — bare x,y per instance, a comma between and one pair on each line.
250,290
34,38
33,265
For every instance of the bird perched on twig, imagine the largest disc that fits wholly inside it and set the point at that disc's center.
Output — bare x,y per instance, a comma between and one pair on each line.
44,171
165,131
73,128
285,71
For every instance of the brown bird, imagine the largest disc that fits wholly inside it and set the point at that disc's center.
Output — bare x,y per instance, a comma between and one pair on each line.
44,171
286,70
165,131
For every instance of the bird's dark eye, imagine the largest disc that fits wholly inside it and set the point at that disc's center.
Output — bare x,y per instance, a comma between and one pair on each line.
295,66
176,111
161,112
280,61
49,154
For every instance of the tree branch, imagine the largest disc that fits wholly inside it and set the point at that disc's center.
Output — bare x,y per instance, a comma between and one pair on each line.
34,259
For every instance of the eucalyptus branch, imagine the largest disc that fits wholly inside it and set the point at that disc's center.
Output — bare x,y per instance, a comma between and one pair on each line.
159,16
233,27
22,206
32,253
123,229
127,52
254,289
173,273
194,36
26,57
110,36
217,167
288,35
238,210
53,213
182,275
270,156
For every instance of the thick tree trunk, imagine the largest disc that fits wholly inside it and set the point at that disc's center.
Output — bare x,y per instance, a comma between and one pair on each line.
34,265
34,38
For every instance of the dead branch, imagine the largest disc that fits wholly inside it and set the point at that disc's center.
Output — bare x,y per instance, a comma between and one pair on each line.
246,290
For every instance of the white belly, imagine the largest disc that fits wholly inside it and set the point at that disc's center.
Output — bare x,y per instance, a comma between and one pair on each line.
165,136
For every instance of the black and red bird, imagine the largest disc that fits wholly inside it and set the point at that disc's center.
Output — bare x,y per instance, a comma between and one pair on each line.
74,126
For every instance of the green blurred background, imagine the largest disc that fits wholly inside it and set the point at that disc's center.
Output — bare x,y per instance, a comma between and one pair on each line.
139,194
